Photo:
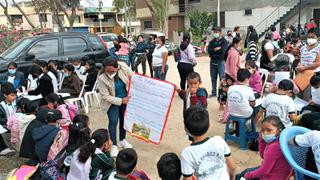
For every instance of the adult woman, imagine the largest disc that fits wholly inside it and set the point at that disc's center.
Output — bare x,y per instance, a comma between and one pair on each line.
113,85
310,58
92,75
13,76
50,72
268,50
233,61
159,59
188,60
71,83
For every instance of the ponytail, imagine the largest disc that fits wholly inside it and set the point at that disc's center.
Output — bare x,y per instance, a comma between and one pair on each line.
79,132
185,41
235,40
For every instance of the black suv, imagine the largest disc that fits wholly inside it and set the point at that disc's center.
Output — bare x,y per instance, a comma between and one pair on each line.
54,46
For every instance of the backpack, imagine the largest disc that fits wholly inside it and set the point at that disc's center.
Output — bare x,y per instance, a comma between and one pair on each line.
59,143
69,111
177,55
50,170
23,172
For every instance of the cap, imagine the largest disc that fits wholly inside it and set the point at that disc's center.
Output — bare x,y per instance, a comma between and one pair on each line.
53,115
217,28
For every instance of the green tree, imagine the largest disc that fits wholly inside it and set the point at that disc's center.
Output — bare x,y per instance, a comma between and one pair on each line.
199,22
119,7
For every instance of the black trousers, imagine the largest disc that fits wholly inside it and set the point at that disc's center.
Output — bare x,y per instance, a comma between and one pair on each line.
149,58
184,70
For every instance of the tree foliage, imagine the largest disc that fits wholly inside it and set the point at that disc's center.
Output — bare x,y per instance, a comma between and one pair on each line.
119,6
199,22
9,36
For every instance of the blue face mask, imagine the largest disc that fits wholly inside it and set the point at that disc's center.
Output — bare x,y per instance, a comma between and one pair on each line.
12,71
269,138
215,35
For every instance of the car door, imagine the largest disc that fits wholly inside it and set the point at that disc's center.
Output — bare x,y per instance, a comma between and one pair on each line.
75,48
42,49
99,50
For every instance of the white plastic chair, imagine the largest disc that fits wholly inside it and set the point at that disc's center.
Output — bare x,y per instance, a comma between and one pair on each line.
80,97
92,94
264,74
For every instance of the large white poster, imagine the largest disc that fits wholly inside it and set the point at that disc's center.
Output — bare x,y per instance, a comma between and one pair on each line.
148,108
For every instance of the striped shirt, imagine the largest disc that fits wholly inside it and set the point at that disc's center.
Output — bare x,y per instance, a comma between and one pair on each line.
253,50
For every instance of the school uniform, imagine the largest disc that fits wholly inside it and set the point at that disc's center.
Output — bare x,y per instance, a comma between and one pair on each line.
102,164
17,80
71,85
45,87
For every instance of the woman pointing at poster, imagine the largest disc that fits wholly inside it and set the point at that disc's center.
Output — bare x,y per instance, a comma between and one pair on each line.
113,87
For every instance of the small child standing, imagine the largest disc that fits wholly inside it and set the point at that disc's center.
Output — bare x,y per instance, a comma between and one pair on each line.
207,158
280,104
255,80
195,95
274,166
169,167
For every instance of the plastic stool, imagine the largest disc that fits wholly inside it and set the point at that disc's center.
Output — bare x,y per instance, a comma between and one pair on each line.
244,135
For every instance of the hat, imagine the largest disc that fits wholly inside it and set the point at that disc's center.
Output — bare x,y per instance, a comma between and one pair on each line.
53,115
217,28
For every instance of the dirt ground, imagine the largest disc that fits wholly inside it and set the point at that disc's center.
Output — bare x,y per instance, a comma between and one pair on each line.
174,139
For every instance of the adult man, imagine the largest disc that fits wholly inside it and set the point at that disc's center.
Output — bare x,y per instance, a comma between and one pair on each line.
217,49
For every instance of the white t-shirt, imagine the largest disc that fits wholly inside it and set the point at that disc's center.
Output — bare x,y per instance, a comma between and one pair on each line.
112,176
310,139
279,105
78,170
206,159
33,83
80,70
54,81
268,46
308,57
157,55
239,97
11,79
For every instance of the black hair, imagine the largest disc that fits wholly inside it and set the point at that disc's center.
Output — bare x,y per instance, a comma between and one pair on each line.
7,89
275,121
235,40
251,28
314,31
110,62
185,41
243,74
92,64
294,35
69,67
31,107
13,64
311,121
194,75
22,103
52,97
286,85
35,69
268,35
121,39
55,62
43,64
79,132
251,64
315,80
126,161
162,39
196,121
99,137
236,28
140,36
36,61
169,167
273,28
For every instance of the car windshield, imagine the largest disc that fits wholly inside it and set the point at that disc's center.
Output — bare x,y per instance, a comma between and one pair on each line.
15,49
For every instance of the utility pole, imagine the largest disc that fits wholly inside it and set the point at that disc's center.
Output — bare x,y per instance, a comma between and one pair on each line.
100,14
218,13
126,16
299,23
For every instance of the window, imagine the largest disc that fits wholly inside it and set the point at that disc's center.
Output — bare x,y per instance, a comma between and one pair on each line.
17,18
97,44
45,49
77,19
248,12
193,1
43,17
147,24
74,46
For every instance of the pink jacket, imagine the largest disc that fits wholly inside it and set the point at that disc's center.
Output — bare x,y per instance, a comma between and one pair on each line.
124,50
274,166
255,82
233,63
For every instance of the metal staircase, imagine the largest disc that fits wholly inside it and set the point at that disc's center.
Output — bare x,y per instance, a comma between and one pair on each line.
284,10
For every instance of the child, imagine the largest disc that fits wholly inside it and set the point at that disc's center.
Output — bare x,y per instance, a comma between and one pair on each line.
169,167
7,108
314,105
280,104
44,135
206,158
93,158
92,74
195,95
241,100
52,101
78,68
71,83
274,166
255,80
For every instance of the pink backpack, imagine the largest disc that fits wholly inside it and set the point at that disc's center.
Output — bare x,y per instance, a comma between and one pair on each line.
68,111
59,143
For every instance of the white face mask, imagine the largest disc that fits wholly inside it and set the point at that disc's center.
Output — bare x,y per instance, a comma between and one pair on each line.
111,76
311,41
76,66
315,93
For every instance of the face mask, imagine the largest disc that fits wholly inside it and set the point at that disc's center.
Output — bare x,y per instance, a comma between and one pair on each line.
12,71
269,138
158,45
311,41
111,76
215,35
77,67
67,74
251,71
315,93
129,39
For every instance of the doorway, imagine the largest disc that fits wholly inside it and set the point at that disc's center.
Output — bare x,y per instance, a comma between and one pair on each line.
316,16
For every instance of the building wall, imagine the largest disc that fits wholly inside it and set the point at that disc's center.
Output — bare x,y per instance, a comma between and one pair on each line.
175,23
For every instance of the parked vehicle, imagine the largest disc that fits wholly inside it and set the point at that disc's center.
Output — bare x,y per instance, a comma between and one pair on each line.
108,38
54,46
170,46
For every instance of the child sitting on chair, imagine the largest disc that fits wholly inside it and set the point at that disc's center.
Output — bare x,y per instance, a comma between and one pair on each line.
255,80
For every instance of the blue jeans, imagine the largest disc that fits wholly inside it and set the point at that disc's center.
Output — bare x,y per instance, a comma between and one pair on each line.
132,57
116,113
238,176
157,72
215,70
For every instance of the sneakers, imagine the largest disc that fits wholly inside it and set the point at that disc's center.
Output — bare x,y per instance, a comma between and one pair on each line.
114,151
7,152
124,144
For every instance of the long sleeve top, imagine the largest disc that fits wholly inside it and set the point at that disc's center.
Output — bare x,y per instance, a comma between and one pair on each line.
274,166
188,55
71,85
255,82
233,63
217,55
